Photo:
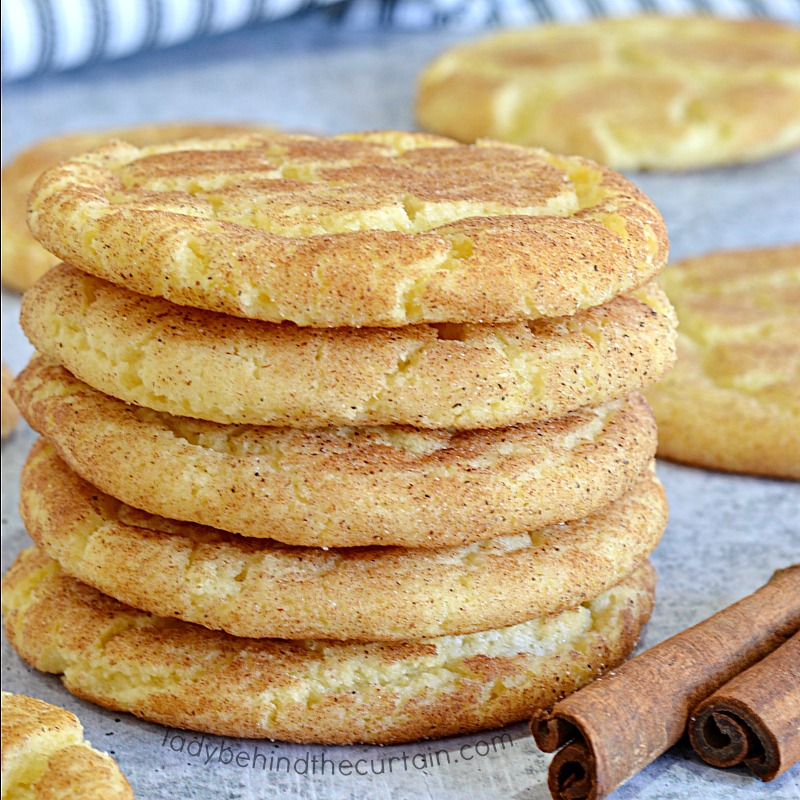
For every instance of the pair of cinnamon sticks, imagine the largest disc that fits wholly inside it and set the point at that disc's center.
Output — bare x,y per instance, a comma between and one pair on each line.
733,679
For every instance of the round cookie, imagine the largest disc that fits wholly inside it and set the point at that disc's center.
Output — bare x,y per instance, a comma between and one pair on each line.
45,756
182,675
259,588
375,229
341,487
211,366
652,92
732,401
24,260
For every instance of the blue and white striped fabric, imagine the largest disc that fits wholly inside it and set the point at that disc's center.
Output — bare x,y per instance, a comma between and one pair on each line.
45,35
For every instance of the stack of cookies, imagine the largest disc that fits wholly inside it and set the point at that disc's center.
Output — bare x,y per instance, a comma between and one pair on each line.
341,438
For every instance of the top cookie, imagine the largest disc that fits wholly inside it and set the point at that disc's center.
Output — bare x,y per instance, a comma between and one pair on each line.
380,229
23,258
651,92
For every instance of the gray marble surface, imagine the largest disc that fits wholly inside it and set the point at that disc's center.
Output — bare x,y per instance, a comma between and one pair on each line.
726,534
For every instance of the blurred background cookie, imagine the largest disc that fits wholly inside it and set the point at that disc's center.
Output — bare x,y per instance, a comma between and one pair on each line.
651,92
10,412
732,401
45,756
23,258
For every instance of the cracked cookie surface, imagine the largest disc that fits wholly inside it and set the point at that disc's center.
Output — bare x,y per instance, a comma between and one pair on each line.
179,674
372,229
652,92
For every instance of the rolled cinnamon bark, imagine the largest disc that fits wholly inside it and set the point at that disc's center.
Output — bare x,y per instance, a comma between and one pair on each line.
754,719
620,723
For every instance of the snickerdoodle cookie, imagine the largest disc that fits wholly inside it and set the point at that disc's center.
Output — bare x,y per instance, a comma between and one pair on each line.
10,412
364,229
45,756
206,365
653,91
732,401
183,675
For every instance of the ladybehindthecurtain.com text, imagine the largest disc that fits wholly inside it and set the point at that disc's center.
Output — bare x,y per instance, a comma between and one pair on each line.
211,751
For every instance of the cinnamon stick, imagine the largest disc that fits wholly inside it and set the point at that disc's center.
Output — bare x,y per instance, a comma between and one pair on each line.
623,721
754,719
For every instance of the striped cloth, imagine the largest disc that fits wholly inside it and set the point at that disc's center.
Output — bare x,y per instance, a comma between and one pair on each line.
44,35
